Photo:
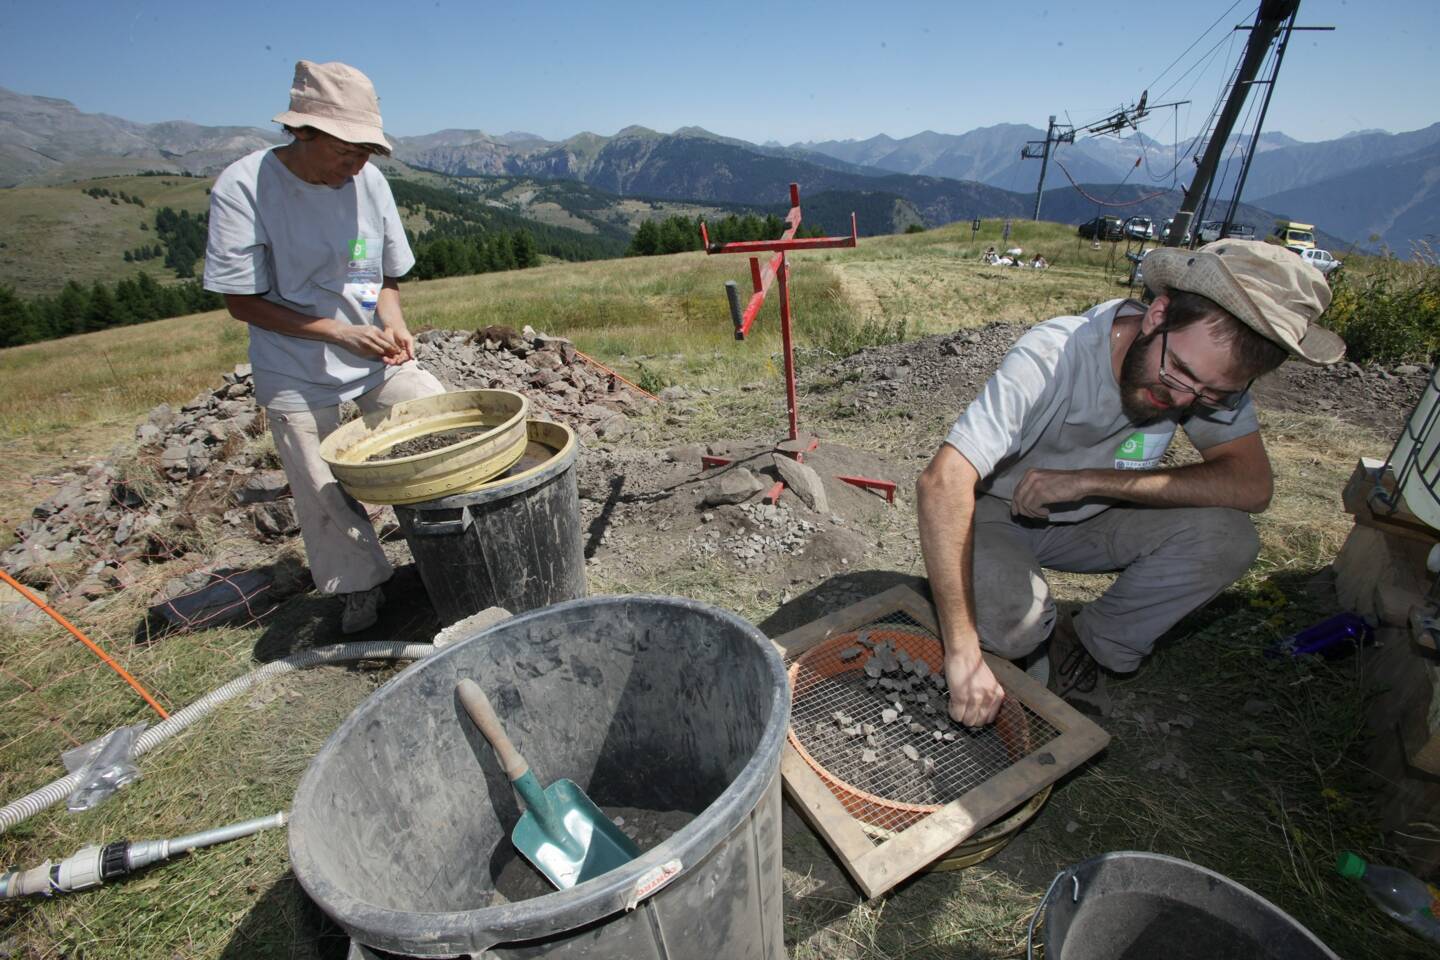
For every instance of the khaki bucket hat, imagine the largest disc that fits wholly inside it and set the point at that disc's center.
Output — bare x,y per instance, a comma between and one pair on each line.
338,99
1265,286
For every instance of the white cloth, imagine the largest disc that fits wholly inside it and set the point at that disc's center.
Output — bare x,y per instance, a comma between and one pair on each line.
320,251
1054,404
343,551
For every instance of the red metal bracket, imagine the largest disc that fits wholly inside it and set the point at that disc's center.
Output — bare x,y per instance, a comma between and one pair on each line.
773,494
707,461
870,483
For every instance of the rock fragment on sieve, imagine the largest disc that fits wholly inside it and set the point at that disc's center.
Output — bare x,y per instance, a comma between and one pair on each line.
850,654
910,752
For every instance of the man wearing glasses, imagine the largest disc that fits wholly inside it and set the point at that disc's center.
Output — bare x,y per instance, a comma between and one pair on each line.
307,246
1057,464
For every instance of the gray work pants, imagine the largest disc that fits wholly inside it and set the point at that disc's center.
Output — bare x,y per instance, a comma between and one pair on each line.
1171,561
340,544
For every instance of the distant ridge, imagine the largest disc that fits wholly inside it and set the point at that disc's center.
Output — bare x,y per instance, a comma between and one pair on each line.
939,177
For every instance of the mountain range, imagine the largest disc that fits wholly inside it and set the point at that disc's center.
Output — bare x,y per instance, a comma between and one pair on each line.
1363,188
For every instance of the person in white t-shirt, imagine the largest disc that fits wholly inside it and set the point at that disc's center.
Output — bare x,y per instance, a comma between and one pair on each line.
1057,464
306,245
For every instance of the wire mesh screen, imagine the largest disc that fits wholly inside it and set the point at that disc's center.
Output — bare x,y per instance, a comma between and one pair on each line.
869,715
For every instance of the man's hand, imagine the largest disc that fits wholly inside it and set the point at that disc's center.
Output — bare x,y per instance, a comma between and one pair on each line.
1040,488
404,343
975,694
367,341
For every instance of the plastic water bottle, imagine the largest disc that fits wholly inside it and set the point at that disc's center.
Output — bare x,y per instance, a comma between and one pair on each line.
1408,899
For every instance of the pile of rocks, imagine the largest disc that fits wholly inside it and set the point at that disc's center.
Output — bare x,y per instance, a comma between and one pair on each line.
779,533
560,384
197,463
134,509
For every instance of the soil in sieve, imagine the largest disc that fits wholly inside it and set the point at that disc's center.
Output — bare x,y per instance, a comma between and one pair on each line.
519,880
428,443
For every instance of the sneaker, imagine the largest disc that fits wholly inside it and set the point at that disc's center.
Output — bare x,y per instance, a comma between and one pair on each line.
1074,674
361,610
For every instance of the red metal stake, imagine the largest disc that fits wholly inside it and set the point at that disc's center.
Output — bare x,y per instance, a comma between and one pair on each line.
789,349
761,279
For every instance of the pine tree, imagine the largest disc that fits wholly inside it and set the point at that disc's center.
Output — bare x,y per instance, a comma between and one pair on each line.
646,242
15,320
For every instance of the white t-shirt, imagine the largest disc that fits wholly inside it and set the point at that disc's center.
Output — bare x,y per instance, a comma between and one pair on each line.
1054,404
321,251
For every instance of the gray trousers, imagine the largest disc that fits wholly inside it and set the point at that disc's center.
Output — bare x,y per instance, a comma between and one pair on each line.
340,544
1171,561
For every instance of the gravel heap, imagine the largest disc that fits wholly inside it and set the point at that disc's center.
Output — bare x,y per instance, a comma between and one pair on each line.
97,532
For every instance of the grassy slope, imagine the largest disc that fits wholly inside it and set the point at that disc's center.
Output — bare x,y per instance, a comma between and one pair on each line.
1270,823
55,234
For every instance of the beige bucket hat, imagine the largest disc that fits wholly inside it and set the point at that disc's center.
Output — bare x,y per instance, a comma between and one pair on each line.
338,99
1267,287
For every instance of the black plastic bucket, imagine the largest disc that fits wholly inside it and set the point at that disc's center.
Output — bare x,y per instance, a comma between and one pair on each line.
1138,906
401,825
515,542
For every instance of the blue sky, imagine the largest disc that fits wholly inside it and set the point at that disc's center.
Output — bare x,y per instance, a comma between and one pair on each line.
785,71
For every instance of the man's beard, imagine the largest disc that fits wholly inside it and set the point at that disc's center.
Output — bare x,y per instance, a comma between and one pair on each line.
1136,389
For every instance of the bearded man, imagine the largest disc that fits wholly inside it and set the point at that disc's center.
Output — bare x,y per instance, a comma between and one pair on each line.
1058,465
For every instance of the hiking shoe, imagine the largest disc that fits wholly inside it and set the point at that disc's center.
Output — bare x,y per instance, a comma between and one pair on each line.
361,610
1074,675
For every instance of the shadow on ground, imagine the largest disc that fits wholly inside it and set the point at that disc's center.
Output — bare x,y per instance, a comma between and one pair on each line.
286,923
313,619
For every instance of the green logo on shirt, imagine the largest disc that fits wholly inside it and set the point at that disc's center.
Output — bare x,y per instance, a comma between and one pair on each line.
1132,447
357,248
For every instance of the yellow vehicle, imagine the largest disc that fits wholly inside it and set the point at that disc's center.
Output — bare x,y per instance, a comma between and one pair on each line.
1295,235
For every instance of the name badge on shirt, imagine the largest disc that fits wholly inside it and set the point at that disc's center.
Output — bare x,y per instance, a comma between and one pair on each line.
363,273
1142,451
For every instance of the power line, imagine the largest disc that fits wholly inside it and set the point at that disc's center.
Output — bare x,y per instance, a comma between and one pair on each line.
1192,46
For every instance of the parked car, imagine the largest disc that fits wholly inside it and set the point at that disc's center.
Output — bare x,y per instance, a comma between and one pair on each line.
1141,228
1210,231
1320,260
1101,228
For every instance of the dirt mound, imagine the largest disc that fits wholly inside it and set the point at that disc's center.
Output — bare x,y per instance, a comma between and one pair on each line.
952,368
646,511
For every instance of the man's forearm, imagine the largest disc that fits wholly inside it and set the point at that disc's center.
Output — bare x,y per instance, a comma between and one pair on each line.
387,308
361,339
946,508
267,315
1214,484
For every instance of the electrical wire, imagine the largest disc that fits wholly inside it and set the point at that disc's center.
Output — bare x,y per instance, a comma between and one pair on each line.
94,647
1193,44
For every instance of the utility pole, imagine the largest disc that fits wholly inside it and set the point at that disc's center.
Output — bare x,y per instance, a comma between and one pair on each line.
1041,149
1268,21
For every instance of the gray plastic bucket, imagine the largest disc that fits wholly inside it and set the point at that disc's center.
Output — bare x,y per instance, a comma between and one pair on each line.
515,543
401,825
1137,906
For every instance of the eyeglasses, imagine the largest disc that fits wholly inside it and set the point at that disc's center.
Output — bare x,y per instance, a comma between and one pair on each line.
1204,397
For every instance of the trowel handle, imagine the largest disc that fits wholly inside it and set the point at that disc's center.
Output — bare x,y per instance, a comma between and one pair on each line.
478,706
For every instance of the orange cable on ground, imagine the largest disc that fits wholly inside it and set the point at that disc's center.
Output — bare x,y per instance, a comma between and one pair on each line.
109,660
616,375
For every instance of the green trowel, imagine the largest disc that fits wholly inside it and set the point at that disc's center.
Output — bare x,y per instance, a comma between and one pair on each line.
561,832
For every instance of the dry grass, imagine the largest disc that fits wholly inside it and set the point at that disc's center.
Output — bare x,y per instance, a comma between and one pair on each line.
1271,824
55,234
